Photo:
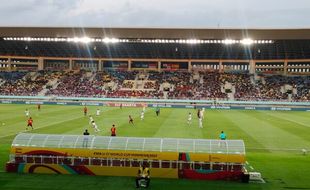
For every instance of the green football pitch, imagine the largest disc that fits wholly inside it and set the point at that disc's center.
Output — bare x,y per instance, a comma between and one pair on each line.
273,140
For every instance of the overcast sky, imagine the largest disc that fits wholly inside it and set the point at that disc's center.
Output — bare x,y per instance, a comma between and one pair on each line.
157,13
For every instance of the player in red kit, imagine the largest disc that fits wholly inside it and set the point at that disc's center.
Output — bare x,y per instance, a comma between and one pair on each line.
85,111
113,131
29,123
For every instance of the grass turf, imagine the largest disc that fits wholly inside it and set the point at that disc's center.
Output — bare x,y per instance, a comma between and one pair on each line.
273,140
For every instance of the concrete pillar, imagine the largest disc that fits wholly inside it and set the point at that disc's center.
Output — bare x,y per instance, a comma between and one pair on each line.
252,66
9,64
70,64
190,66
221,69
40,64
285,67
100,65
129,65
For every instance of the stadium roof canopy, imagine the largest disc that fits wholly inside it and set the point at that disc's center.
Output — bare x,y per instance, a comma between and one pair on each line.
164,33
155,43
131,143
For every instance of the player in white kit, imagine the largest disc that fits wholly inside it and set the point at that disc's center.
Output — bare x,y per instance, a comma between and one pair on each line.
143,109
94,125
91,119
98,112
142,115
200,122
202,113
189,119
27,113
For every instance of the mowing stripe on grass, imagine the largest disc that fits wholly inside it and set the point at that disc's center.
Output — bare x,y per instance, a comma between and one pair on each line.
266,132
296,119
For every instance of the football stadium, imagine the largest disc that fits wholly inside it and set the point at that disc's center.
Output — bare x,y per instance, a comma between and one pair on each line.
154,108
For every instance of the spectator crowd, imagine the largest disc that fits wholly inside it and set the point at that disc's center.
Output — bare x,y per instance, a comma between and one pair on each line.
113,83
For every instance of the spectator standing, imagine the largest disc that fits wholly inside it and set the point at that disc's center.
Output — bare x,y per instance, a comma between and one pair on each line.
85,139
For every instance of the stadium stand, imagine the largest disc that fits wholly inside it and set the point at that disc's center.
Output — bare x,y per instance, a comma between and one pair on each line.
178,85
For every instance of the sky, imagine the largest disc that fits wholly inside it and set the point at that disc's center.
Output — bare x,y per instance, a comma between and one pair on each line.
157,13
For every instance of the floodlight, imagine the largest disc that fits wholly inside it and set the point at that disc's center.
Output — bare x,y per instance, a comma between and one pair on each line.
247,41
194,41
228,41
105,40
84,40
114,40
